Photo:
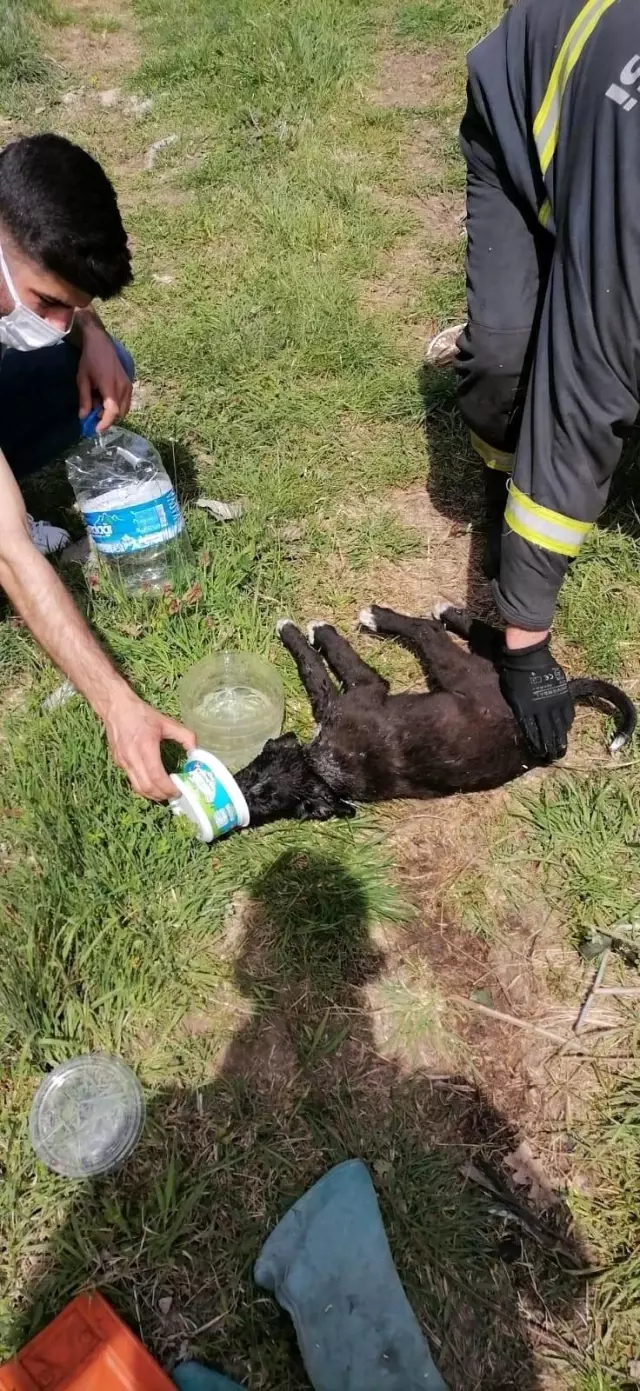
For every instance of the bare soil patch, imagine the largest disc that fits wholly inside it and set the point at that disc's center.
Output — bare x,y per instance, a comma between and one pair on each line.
422,153
412,80
448,570
102,55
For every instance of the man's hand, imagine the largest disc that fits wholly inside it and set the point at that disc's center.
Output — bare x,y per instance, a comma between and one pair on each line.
100,373
134,730
536,688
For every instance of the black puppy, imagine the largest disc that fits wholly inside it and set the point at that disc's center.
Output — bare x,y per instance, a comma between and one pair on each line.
370,746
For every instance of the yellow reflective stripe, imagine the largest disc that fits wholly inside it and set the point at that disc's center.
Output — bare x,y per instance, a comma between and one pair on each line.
542,526
493,458
545,213
547,121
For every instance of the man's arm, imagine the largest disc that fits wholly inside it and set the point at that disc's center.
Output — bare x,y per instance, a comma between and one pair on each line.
134,729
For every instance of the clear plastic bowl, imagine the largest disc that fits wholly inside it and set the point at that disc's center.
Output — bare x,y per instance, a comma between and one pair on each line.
234,702
87,1116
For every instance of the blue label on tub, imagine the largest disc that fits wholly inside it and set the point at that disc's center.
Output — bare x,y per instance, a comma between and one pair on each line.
136,527
215,798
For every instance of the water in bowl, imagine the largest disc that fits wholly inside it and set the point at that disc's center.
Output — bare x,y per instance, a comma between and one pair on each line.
235,705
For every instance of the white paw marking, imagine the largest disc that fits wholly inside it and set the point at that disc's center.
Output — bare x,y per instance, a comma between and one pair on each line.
283,623
311,630
367,620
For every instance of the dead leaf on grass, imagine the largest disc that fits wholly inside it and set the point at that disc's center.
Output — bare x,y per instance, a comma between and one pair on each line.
526,1172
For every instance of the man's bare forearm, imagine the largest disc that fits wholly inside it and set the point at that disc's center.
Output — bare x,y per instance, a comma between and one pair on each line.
85,320
41,599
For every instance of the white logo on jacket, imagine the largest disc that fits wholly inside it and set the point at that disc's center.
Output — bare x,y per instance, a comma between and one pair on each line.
619,92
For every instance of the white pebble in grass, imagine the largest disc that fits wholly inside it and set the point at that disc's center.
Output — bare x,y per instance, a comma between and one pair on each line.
220,511
59,697
110,97
367,620
140,106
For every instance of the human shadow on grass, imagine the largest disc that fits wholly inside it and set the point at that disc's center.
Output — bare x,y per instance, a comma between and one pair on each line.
455,482
172,1239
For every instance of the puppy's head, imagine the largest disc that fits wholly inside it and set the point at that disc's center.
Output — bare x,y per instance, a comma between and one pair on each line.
282,783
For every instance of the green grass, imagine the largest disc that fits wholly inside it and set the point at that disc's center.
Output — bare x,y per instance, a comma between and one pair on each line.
611,1150
582,836
240,983
445,21
22,62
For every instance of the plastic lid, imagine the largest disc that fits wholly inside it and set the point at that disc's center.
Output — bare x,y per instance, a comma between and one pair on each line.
87,1116
89,426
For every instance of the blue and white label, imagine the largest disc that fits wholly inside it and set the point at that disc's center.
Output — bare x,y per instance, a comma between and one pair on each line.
124,530
214,798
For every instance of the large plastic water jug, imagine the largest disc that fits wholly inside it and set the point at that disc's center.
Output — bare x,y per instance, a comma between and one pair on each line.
130,508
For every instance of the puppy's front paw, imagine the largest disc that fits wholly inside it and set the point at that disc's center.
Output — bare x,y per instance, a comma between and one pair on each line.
282,624
366,619
440,609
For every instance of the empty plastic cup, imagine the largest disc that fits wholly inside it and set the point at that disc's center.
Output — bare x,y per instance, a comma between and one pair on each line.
87,1116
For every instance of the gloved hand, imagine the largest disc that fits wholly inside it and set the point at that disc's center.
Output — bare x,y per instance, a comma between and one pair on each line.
536,688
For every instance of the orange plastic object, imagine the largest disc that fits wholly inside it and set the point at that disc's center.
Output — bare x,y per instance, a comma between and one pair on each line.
87,1348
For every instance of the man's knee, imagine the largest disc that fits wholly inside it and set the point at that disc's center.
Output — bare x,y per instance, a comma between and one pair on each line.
492,371
125,358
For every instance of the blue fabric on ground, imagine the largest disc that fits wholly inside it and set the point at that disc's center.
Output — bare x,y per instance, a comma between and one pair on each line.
192,1376
329,1264
39,404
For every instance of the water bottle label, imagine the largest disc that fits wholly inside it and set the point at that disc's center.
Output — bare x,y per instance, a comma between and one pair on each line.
126,530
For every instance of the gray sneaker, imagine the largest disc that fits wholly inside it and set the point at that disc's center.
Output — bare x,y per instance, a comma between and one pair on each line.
47,538
442,350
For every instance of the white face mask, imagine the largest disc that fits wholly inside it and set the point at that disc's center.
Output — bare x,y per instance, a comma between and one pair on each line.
22,328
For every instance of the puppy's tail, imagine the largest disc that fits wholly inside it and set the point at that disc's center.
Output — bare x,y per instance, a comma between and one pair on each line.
589,691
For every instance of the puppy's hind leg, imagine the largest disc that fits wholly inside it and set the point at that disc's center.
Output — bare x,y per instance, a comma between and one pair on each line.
483,639
445,665
311,669
343,661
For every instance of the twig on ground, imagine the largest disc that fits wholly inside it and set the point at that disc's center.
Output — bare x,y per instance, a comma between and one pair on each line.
585,1008
195,1332
512,1208
154,150
508,1018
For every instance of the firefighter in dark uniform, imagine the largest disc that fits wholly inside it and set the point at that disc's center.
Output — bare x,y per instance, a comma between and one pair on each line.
548,363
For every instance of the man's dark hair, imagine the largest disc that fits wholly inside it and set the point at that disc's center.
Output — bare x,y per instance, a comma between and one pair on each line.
61,210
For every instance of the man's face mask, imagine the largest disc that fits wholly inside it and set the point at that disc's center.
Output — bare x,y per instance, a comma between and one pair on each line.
23,328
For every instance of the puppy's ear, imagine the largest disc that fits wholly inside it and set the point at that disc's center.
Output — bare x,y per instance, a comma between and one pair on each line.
283,741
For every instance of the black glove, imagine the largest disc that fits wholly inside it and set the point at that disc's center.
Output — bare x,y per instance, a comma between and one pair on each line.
536,688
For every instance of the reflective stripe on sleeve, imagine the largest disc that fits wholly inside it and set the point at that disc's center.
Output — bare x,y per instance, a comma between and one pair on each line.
493,458
544,213
547,122
550,530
